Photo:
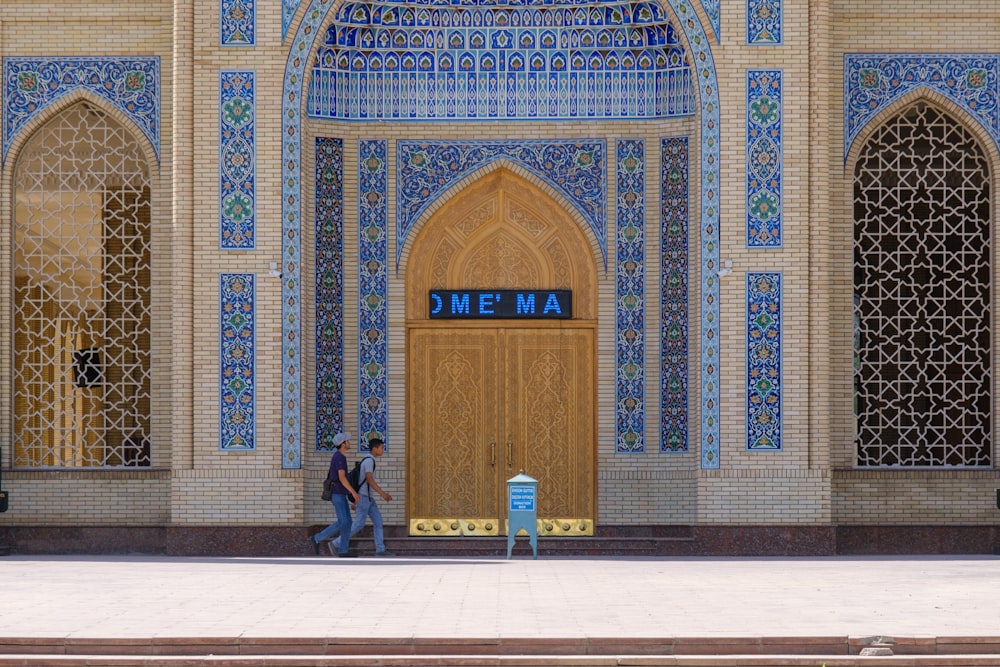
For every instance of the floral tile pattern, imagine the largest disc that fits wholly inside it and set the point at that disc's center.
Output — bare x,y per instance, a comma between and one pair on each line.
764,22
630,317
329,291
763,361
373,291
873,81
575,168
674,328
131,85
237,23
764,158
478,59
237,384
237,161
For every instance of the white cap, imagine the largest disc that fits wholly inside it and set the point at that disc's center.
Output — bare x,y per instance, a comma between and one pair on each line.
340,439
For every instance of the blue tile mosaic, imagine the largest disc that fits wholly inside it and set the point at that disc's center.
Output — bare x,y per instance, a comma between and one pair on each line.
373,291
237,383
873,81
763,361
574,168
708,230
291,234
764,19
713,10
674,330
131,85
479,59
237,22
237,160
288,9
630,298
709,116
764,158
329,274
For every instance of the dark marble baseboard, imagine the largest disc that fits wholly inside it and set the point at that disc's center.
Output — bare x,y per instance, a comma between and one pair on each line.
706,540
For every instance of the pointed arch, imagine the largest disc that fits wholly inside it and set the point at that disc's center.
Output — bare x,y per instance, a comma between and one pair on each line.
407,231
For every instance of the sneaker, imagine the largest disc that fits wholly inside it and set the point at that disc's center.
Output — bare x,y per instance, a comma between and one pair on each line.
387,554
332,544
347,554
315,545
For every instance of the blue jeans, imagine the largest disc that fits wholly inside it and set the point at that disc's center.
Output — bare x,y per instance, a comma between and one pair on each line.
367,507
342,511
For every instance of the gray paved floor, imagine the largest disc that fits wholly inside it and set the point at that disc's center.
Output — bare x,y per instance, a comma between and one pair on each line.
142,596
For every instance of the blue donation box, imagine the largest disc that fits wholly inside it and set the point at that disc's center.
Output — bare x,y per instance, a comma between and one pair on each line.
522,494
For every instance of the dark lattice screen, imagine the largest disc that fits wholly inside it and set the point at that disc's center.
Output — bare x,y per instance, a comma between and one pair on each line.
923,295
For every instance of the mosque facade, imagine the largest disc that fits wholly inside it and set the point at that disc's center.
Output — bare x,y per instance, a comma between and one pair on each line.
699,267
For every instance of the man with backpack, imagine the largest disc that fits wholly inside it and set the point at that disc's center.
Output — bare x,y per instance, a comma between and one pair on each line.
343,494
367,489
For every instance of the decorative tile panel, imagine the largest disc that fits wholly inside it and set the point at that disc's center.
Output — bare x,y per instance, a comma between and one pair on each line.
237,161
574,168
131,85
329,291
873,81
674,332
763,361
291,233
764,22
708,84
764,158
478,59
713,10
288,9
237,22
630,316
709,117
373,290
237,383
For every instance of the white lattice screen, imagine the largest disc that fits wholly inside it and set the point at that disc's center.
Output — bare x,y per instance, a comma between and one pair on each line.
82,295
923,295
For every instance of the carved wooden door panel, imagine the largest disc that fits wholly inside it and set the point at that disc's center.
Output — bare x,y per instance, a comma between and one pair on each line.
453,417
548,399
485,403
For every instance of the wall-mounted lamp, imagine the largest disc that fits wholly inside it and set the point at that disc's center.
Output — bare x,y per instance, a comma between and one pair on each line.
275,271
727,267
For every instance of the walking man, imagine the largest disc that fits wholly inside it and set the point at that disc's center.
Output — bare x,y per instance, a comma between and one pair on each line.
368,489
341,498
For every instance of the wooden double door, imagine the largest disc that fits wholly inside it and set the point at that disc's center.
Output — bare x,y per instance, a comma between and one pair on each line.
487,401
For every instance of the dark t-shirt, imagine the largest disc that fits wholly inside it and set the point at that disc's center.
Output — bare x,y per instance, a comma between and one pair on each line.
337,463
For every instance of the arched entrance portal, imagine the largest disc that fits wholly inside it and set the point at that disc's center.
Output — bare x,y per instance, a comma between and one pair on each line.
488,398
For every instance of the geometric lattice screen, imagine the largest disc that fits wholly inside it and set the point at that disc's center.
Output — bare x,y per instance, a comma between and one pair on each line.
923,295
82,295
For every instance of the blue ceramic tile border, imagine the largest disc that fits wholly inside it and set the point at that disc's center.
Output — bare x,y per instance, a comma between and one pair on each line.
574,168
131,85
630,315
237,22
329,275
764,158
237,354
764,19
373,291
873,81
674,326
237,160
764,361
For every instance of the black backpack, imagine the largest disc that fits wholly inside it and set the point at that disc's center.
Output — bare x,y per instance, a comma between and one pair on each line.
354,474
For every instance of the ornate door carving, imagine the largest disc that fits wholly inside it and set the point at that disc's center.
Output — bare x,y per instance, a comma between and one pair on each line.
488,398
488,403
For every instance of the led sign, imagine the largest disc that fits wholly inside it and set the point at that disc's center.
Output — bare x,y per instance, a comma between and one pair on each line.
501,304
